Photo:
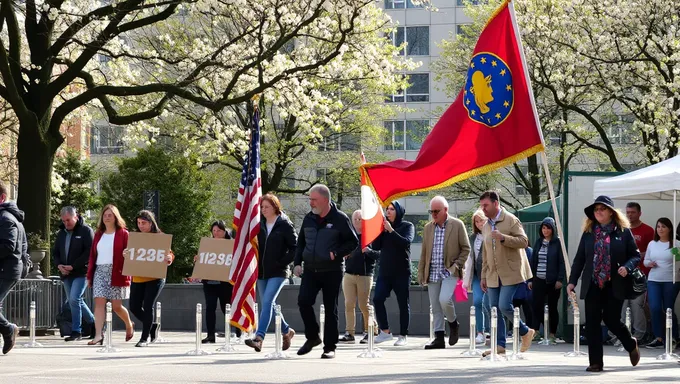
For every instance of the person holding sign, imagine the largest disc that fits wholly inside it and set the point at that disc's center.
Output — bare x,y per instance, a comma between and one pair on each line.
105,271
277,243
144,291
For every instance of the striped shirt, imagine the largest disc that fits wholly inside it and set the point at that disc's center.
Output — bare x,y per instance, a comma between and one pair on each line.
437,270
542,261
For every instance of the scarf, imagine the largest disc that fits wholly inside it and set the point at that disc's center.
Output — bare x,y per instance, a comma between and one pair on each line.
602,260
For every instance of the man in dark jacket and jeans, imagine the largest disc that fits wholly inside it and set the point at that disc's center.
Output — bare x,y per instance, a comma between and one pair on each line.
70,256
13,250
326,237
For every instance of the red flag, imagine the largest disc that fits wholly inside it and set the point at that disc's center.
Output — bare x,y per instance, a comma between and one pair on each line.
243,272
491,124
372,218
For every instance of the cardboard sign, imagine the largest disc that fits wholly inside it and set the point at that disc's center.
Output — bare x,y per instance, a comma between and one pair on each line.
145,256
214,259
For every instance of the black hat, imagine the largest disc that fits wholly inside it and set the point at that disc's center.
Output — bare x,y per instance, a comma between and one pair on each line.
604,200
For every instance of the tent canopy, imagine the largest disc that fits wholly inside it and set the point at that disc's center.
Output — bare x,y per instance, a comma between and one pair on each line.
656,182
538,212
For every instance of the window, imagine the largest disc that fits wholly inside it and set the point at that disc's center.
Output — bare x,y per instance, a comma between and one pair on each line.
419,222
394,135
462,3
416,131
419,87
622,132
409,134
401,4
417,38
106,139
103,59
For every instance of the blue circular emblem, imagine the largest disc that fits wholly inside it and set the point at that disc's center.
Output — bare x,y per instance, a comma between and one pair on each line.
488,94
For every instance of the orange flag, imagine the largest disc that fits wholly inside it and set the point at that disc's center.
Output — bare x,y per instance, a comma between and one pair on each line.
371,214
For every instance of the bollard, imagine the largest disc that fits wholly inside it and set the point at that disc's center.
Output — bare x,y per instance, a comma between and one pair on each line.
255,323
32,343
199,325
669,355
472,348
108,339
431,324
278,337
621,348
227,347
577,334
494,338
516,354
158,339
322,320
546,328
371,352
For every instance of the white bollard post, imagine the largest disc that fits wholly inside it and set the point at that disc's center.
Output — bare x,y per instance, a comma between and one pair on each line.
227,347
322,321
472,348
371,352
431,324
494,356
278,336
621,348
546,328
669,355
577,334
158,339
199,326
32,343
516,354
108,339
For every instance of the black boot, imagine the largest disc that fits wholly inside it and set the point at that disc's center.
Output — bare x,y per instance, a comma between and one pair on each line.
453,337
438,342
154,332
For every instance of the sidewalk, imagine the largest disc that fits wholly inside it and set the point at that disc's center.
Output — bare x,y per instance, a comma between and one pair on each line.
58,362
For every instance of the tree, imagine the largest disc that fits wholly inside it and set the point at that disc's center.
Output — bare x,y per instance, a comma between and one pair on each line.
8,143
59,57
185,194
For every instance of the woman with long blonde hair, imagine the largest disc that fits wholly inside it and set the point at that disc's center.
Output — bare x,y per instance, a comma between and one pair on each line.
473,272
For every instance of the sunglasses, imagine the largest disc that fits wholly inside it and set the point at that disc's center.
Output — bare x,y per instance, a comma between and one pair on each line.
600,208
434,211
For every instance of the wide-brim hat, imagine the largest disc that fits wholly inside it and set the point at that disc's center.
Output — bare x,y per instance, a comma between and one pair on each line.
604,200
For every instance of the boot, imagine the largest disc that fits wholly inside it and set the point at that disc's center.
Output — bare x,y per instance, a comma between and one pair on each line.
154,332
438,342
453,337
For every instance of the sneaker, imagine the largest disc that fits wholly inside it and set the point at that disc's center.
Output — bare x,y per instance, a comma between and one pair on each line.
537,337
401,341
382,337
552,340
618,343
142,344
480,339
347,338
364,340
328,355
10,339
656,344
526,340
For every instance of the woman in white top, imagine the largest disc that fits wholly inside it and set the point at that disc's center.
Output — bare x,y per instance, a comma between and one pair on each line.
660,291
472,275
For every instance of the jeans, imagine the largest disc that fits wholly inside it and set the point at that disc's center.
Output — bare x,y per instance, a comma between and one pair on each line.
5,287
75,289
329,285
143,298
441,301
268,290
400,285
543,289
501,298
213,293
661,296
481,317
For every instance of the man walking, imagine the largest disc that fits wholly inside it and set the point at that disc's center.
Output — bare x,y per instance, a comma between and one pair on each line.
70,256
639,308
13,250
445,249
326,237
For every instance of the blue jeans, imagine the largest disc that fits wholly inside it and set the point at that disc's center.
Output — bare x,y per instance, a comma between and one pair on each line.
481,317
501,298
268,290
661,296
75,290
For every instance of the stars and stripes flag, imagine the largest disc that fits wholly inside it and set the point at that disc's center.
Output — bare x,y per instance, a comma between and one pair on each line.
243,272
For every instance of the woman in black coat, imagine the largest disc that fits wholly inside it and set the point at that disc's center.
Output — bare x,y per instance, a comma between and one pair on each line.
606,255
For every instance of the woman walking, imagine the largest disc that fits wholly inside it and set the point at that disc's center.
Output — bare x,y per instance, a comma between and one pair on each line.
606,255
472,275
105,272
277,241
144,291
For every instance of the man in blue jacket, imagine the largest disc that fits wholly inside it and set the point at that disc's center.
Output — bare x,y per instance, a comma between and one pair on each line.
326,237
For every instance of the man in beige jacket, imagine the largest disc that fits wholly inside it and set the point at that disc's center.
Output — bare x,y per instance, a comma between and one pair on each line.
445,249
505,264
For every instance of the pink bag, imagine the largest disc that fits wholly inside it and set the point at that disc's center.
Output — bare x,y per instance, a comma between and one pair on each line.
459,292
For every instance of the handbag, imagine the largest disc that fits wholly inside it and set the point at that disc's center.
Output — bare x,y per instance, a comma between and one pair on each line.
460,293
636,284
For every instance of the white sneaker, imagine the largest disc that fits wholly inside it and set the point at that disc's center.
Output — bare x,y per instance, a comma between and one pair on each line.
382,337
480,339
401,341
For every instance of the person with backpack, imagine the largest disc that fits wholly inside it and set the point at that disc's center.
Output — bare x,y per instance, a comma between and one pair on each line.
14,261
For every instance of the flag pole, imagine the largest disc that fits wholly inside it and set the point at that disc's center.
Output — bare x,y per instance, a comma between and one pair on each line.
544,156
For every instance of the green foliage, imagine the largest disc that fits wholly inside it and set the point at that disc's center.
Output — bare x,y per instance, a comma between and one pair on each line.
75,176
37,242
185,195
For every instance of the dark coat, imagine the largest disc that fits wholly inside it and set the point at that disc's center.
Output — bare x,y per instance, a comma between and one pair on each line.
361,263
555,270
276,249
395,247
79,250
13,241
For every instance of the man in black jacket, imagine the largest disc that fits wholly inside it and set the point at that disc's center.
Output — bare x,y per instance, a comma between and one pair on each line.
70,256
326,237
13,250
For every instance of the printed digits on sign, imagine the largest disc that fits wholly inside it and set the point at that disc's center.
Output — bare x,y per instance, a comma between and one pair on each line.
141,254
220,259
150,255
131,252
228,261
160,255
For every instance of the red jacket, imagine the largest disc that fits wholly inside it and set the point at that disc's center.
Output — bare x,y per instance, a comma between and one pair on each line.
119,244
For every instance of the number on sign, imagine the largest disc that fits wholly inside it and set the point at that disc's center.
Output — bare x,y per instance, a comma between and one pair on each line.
144,254
212,258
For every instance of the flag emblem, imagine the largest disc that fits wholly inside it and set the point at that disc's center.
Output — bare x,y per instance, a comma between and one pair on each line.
488,90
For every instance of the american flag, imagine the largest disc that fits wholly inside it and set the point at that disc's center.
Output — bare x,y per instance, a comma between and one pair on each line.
247,225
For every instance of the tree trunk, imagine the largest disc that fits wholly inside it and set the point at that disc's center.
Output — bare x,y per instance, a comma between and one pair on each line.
35,159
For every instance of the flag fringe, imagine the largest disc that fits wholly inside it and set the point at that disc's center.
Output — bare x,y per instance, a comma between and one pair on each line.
496,12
